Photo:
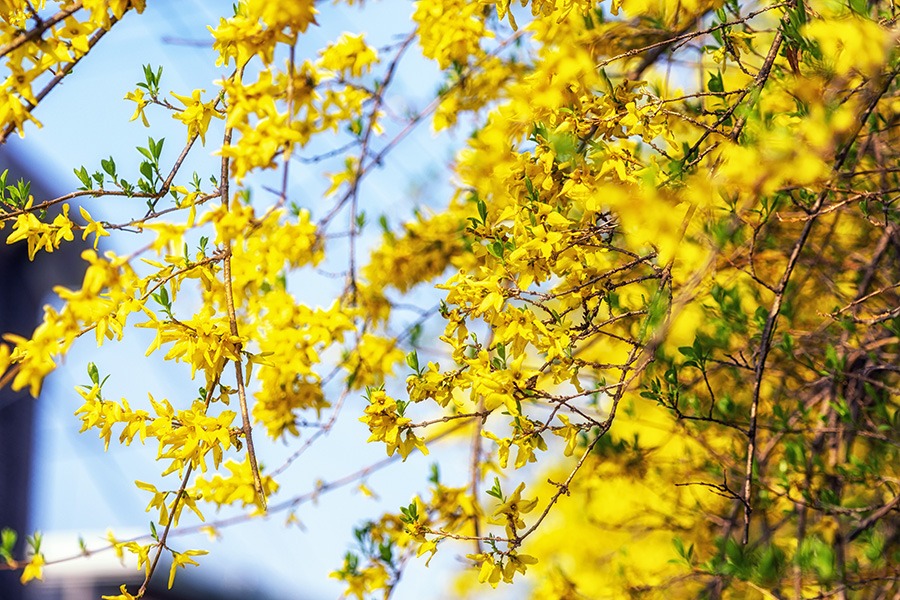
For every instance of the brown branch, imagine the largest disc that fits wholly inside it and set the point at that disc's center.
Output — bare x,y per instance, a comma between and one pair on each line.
684,36
765,343
40,28
57,79
432,106
232,322
563,488
761,77
873,518
322,431
161,543
475,475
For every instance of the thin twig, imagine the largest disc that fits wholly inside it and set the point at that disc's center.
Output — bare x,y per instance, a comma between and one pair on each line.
232,321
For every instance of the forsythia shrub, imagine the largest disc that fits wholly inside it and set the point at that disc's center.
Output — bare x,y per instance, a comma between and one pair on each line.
668,274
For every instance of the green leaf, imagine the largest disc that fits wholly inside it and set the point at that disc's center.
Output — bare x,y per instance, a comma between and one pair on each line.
412,361
435,474
608,84
482,211
81,173
156,147
409,514
495,491
109,166
530,187
8,539
146,170
93,373
715,84
386,552
145,152
770,565
34,542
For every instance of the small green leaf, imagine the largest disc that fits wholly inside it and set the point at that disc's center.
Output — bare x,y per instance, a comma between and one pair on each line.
412,361
495,491
145,152
81,173
435,475
109,166
8,539
715,83
93,373
482,211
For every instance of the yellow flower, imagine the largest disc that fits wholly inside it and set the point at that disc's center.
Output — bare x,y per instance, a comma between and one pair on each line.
93,226
28,227
509,512
182,559
349,55
77,34
34,569
387,425
123,596
568,432
196,114
489,571
137,96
